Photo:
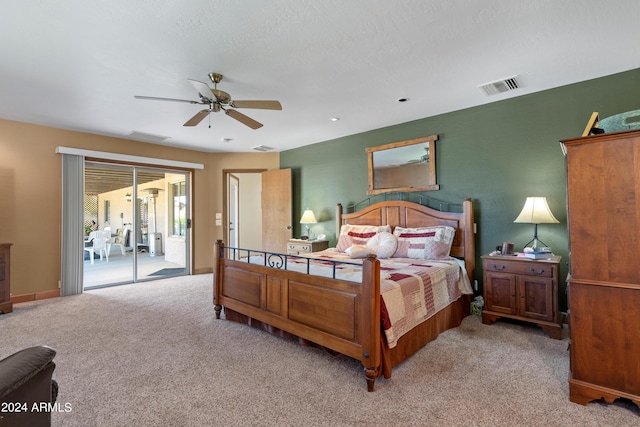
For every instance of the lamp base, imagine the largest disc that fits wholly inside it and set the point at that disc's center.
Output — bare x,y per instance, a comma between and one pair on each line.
535,240
310,234
536,244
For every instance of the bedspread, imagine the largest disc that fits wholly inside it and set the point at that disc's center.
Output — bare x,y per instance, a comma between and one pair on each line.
412,290
417,289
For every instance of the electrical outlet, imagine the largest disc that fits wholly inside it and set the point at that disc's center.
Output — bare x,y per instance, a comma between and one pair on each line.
475,285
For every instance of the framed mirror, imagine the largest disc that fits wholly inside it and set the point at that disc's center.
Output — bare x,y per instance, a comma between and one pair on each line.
403,166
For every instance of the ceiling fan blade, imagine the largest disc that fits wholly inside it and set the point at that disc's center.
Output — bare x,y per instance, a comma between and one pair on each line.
154,98
264,105
203,89
200,115
243,119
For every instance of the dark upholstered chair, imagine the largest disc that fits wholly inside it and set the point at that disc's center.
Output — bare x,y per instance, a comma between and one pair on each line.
25,380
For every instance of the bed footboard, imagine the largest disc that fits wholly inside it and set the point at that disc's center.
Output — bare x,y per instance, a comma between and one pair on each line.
340,315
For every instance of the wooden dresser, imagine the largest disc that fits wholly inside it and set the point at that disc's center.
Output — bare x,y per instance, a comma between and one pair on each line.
6,306
603,192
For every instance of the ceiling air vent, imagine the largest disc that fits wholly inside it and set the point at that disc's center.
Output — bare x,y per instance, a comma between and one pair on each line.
262,148
500,86
147,137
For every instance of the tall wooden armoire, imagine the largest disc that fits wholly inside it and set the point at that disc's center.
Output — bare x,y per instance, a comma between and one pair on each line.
603,191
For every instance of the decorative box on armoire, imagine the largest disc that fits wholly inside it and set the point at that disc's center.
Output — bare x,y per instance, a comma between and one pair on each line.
603,195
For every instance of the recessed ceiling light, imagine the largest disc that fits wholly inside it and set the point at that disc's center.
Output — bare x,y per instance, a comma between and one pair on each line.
334,119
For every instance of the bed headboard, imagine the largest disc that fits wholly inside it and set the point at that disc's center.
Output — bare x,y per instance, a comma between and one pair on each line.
408,214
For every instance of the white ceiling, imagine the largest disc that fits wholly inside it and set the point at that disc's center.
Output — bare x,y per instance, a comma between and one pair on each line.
77,64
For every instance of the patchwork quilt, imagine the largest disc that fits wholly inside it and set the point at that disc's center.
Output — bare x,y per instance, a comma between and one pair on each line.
412,290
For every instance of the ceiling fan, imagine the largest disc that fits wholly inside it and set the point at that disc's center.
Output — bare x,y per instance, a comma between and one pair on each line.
217,100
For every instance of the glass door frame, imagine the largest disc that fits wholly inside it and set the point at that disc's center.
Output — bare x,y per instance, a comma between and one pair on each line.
148,192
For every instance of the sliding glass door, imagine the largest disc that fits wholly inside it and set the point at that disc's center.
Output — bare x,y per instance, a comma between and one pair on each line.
143,215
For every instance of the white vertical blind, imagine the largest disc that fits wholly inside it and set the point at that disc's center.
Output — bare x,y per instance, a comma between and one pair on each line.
72,218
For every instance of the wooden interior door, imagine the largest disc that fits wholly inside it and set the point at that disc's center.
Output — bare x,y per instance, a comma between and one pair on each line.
276,210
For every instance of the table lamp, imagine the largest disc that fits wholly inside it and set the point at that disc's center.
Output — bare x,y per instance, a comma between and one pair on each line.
308,218
536,211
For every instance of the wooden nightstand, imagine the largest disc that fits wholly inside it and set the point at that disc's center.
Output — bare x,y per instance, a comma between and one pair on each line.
297,247
523,289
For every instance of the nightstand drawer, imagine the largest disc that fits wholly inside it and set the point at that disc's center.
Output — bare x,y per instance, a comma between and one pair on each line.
539,269
295,247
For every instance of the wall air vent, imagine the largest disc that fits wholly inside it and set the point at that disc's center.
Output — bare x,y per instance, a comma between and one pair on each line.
500,86
262,148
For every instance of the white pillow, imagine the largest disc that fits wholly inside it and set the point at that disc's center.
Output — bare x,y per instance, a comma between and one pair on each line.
351,235
358,251
383,244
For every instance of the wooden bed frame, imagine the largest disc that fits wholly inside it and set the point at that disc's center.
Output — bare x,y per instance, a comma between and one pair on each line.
338,315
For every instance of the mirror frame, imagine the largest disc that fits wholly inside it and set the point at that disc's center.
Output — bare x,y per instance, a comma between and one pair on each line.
432,165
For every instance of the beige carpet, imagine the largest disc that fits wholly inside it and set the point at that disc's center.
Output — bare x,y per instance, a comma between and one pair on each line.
152,354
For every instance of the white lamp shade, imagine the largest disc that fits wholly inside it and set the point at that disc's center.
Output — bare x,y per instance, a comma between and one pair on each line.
308,217
536,211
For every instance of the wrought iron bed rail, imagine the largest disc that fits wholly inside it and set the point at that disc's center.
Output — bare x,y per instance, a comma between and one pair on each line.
278,260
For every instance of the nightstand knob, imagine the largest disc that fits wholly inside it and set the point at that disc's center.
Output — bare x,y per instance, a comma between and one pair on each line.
537,272
495,267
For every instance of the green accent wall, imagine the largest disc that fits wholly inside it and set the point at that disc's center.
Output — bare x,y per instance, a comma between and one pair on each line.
495,154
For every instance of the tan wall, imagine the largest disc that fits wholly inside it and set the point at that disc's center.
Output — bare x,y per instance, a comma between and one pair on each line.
30,196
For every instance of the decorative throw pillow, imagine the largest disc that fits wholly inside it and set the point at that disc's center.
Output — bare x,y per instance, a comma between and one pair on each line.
383,244
358,235
358,251
424,243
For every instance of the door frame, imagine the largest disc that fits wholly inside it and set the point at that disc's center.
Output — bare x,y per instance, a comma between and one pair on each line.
225,196
136,169
233,209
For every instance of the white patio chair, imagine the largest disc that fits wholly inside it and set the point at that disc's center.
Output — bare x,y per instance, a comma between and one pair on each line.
118,241
98,244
